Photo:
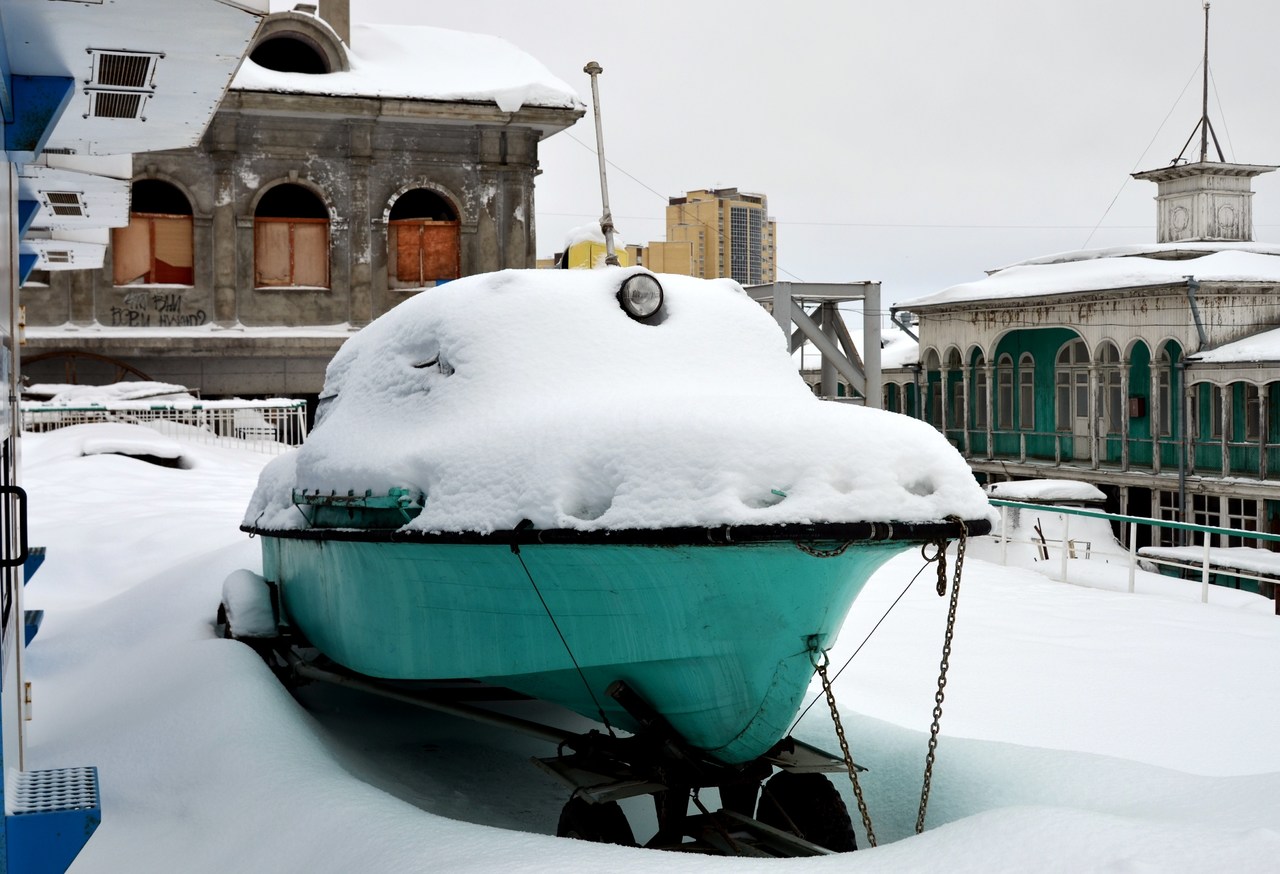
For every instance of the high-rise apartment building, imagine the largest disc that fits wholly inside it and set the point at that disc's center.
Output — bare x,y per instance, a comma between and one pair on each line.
730,232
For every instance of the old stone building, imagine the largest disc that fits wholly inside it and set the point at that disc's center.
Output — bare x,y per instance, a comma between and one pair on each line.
342,173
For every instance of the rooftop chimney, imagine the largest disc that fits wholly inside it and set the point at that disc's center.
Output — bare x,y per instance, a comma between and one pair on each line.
338,15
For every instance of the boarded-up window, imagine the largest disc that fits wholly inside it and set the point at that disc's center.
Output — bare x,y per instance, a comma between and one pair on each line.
422,240
153,250
425,251
291,252
290,239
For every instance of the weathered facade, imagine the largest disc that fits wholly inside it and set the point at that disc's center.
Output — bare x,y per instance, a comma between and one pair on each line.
317,200
1152,372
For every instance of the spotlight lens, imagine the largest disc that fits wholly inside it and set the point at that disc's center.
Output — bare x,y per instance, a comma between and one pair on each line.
641,296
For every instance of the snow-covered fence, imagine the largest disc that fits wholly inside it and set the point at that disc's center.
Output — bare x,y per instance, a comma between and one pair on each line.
1249,563
270,426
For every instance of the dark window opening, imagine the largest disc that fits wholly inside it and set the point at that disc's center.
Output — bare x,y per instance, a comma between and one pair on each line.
159,198
419,203
291,201
288,54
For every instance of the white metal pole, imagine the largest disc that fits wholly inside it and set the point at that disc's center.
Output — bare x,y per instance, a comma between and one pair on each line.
1204,572
1133,553
1004,535
1066,533
593,70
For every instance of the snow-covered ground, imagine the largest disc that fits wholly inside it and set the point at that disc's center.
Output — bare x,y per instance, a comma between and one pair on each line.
1085,729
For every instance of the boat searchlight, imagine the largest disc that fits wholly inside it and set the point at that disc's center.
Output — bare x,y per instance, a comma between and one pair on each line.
641,296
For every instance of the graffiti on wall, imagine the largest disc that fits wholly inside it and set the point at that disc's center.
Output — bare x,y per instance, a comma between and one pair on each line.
155,309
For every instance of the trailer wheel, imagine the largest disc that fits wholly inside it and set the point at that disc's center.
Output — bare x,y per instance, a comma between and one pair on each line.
599,823
807,805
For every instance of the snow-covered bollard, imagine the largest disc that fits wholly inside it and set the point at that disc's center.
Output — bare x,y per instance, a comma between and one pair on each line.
246,605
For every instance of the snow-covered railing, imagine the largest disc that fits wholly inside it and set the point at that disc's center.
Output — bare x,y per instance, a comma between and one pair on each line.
270,426
1212,560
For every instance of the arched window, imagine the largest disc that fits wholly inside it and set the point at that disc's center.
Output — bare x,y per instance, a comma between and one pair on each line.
289,53
423,240
1110,384
290,239
1004,392
156,247
955,391
979,417
1071,378
891,397
1166,388
1027,392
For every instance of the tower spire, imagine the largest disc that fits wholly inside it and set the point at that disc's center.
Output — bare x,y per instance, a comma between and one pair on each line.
1204,200
1204,126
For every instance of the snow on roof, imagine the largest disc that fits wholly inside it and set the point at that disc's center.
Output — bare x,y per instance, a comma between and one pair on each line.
1045,490
425,63
590,233
97,331
105,395
531,395
1262,346
1114,269
1251,559
899,351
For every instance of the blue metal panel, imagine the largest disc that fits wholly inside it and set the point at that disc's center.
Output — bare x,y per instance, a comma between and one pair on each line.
38,102
32,619
27,210
35,558
26,263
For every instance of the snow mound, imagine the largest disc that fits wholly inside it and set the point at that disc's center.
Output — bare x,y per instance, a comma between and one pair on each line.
111,438
531,395
1046,491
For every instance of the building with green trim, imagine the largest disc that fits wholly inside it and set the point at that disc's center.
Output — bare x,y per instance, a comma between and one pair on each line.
1150,371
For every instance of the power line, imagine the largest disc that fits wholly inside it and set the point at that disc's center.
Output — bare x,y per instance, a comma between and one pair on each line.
1125,182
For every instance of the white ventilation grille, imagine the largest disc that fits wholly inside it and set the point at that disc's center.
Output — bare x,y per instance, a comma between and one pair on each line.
58,256
66,203
116,104
120,82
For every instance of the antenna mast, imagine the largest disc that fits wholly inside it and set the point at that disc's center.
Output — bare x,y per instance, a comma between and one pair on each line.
593,70
1204,99
1204,125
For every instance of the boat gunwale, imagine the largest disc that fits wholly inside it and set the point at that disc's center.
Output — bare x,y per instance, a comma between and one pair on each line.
719,535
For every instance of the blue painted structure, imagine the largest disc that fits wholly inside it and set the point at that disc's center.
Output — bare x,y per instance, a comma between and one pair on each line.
49,815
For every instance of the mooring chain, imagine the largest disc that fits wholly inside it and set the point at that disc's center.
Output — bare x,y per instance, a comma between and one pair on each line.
946,657
823,553
821,666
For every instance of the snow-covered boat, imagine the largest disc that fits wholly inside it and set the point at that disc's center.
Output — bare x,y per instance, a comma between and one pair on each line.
556,480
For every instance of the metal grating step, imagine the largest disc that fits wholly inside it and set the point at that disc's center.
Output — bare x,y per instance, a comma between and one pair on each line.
53,790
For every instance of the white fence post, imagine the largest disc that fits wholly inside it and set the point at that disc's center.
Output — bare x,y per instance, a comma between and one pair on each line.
1133,553
1204,575
1004,535
1066,537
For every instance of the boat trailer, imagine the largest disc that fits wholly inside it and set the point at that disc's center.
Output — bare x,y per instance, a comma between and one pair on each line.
796,811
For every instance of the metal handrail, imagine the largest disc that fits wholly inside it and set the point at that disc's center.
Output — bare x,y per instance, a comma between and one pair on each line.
1205,567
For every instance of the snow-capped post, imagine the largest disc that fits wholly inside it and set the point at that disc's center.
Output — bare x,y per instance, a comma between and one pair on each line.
593,70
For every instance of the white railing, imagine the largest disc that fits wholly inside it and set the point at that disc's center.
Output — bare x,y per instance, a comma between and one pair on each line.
270,426
1204,559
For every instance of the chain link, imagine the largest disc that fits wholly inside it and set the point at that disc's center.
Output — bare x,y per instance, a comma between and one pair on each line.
823,553
946,657
844,748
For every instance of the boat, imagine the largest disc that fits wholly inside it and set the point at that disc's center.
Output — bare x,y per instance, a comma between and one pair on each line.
571,483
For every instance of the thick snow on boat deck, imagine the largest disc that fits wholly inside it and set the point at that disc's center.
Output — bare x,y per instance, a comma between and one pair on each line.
531,395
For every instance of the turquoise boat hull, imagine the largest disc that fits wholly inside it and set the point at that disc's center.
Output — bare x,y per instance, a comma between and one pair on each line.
718,637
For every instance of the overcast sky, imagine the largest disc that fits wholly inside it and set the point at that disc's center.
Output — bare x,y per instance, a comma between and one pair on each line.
917,142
